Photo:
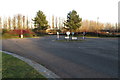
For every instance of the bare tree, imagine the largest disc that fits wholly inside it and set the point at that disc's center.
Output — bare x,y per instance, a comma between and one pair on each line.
0,23
108,26
59,22
0,26
5,24
23,22
99,26
85,26
9,23
53,22
94,26
14,23
118,27
27,23
56,22
91,26
19,23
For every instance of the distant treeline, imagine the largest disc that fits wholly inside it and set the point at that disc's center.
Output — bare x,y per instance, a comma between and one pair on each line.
16,22
19,21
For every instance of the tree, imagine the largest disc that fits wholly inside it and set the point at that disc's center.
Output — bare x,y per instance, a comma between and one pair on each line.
27,23
23,22
0,23
40,21
73,20
14,22
118,27
9,23
91,26
53,22
5,24
35,23
0,26
108,26
19,22
56,23
85,26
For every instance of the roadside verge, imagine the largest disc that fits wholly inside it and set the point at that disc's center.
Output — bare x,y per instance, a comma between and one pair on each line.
41,69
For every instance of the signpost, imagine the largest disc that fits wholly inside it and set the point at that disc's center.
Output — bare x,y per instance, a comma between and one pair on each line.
73,33
83,35
73,38
68,33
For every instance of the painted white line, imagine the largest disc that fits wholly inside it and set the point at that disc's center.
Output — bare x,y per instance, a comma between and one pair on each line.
41,69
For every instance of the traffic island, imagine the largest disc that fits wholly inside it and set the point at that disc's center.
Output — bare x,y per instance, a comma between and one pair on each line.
66,40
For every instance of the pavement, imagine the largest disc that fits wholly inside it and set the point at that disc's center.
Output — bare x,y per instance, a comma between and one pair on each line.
92,58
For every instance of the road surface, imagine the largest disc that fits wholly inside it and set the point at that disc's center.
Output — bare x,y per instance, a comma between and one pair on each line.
93,58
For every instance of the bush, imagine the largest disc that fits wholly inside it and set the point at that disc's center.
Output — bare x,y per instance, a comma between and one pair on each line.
17,33
28,35
4,31
7,35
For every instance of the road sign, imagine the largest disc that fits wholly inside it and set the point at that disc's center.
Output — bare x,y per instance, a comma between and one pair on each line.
57,33
73,33
74,38
67,37
68,33
83,33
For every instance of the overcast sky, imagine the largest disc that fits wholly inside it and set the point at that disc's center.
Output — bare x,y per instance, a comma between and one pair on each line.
106,10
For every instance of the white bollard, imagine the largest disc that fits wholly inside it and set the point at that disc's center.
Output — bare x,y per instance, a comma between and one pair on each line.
21,35
58,35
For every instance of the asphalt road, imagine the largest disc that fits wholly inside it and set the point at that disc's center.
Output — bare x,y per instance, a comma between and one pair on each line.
93,58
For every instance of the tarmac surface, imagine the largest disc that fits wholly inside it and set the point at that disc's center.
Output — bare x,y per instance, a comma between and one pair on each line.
92,58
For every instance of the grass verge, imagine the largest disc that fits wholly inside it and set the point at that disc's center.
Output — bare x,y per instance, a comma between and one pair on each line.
4,37
15,68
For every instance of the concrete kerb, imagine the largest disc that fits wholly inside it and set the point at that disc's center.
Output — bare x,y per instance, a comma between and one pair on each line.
41,69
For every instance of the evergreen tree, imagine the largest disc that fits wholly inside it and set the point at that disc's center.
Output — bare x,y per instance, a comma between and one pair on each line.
73,20
40,21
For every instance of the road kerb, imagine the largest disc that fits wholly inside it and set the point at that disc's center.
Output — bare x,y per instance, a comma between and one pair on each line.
41,69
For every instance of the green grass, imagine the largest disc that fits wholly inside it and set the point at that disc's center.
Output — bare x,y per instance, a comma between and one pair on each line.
15,68
16,37
8,37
